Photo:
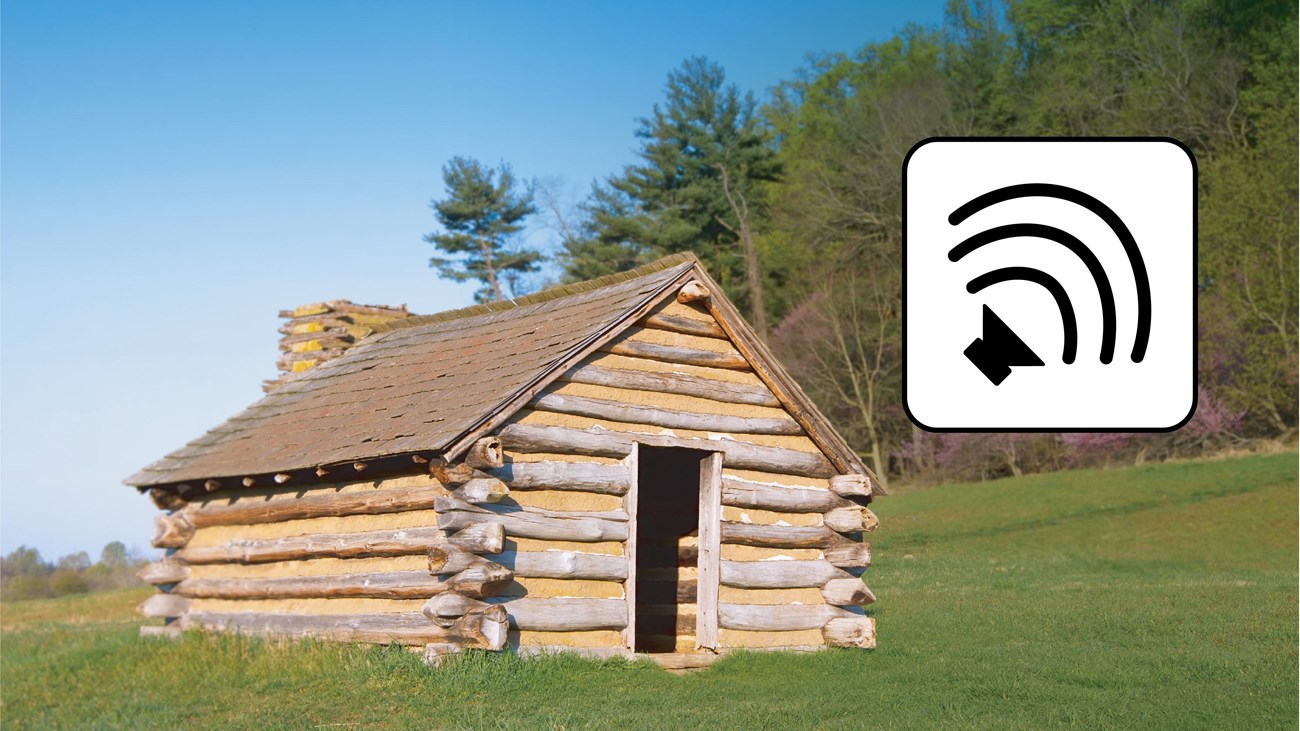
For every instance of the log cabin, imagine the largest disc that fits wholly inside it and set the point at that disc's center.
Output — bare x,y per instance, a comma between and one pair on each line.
615,467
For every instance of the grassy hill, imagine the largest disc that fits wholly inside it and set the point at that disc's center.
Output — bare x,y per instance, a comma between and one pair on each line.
1162,596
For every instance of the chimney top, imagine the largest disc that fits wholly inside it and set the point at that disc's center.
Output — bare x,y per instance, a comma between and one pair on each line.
322,331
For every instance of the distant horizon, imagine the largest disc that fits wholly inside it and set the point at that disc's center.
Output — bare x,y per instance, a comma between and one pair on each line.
177,174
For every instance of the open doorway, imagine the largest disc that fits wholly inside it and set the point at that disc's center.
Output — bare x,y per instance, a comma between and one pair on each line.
668,541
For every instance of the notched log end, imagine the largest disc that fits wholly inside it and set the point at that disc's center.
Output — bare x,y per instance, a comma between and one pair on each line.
487,537
450,475
165,499
847,592
693,291
482,490
163,605
485,454
859,632
852,486
845,520
172,531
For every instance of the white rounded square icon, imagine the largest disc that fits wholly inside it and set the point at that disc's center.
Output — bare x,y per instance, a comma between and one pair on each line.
1049,285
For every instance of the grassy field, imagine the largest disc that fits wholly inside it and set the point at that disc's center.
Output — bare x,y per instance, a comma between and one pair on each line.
1162,596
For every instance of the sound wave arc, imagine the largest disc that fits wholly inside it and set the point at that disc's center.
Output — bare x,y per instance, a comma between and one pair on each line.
1101,210
1077,247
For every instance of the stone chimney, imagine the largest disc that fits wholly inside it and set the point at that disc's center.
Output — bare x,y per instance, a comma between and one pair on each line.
322,331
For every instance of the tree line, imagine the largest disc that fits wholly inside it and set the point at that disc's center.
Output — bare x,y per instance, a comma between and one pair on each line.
24,574
793,202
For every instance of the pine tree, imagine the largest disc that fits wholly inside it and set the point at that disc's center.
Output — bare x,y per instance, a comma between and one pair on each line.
705,158
481,217
611,237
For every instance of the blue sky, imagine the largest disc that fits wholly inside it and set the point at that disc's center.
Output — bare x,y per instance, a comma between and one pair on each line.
173,174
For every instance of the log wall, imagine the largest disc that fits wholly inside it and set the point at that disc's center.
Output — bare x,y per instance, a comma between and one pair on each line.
677,379
537,555
356,548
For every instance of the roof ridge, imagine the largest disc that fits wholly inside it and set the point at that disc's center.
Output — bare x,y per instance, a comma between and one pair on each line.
546,295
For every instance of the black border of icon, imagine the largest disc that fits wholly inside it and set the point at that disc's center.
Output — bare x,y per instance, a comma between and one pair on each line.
1195,300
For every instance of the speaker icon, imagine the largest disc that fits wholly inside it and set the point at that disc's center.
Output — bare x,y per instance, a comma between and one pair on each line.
1012,246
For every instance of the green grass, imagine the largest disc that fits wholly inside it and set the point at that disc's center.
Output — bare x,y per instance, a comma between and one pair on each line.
1162,596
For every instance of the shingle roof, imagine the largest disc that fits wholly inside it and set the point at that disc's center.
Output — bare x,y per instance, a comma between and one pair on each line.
416,385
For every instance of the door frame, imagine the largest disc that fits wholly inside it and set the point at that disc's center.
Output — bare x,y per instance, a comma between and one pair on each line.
709,549
709,561
629,505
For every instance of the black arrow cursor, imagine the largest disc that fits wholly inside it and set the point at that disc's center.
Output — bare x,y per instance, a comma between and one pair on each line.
999,349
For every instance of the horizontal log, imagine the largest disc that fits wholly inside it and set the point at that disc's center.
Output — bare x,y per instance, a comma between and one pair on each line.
564,565
166,571
554,525
450,502
164,605
682,384
406,628
529,438
398,542
675,354
777,536
172,530
778,617
869,520
848,554
566,615
389,585
480,581
313,506
779,574
683,325
847,592
317,340
308,327
851,632
667,418
533,564
547,528
747,494
608,479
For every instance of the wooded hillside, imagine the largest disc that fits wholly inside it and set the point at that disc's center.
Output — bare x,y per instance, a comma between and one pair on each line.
793,201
